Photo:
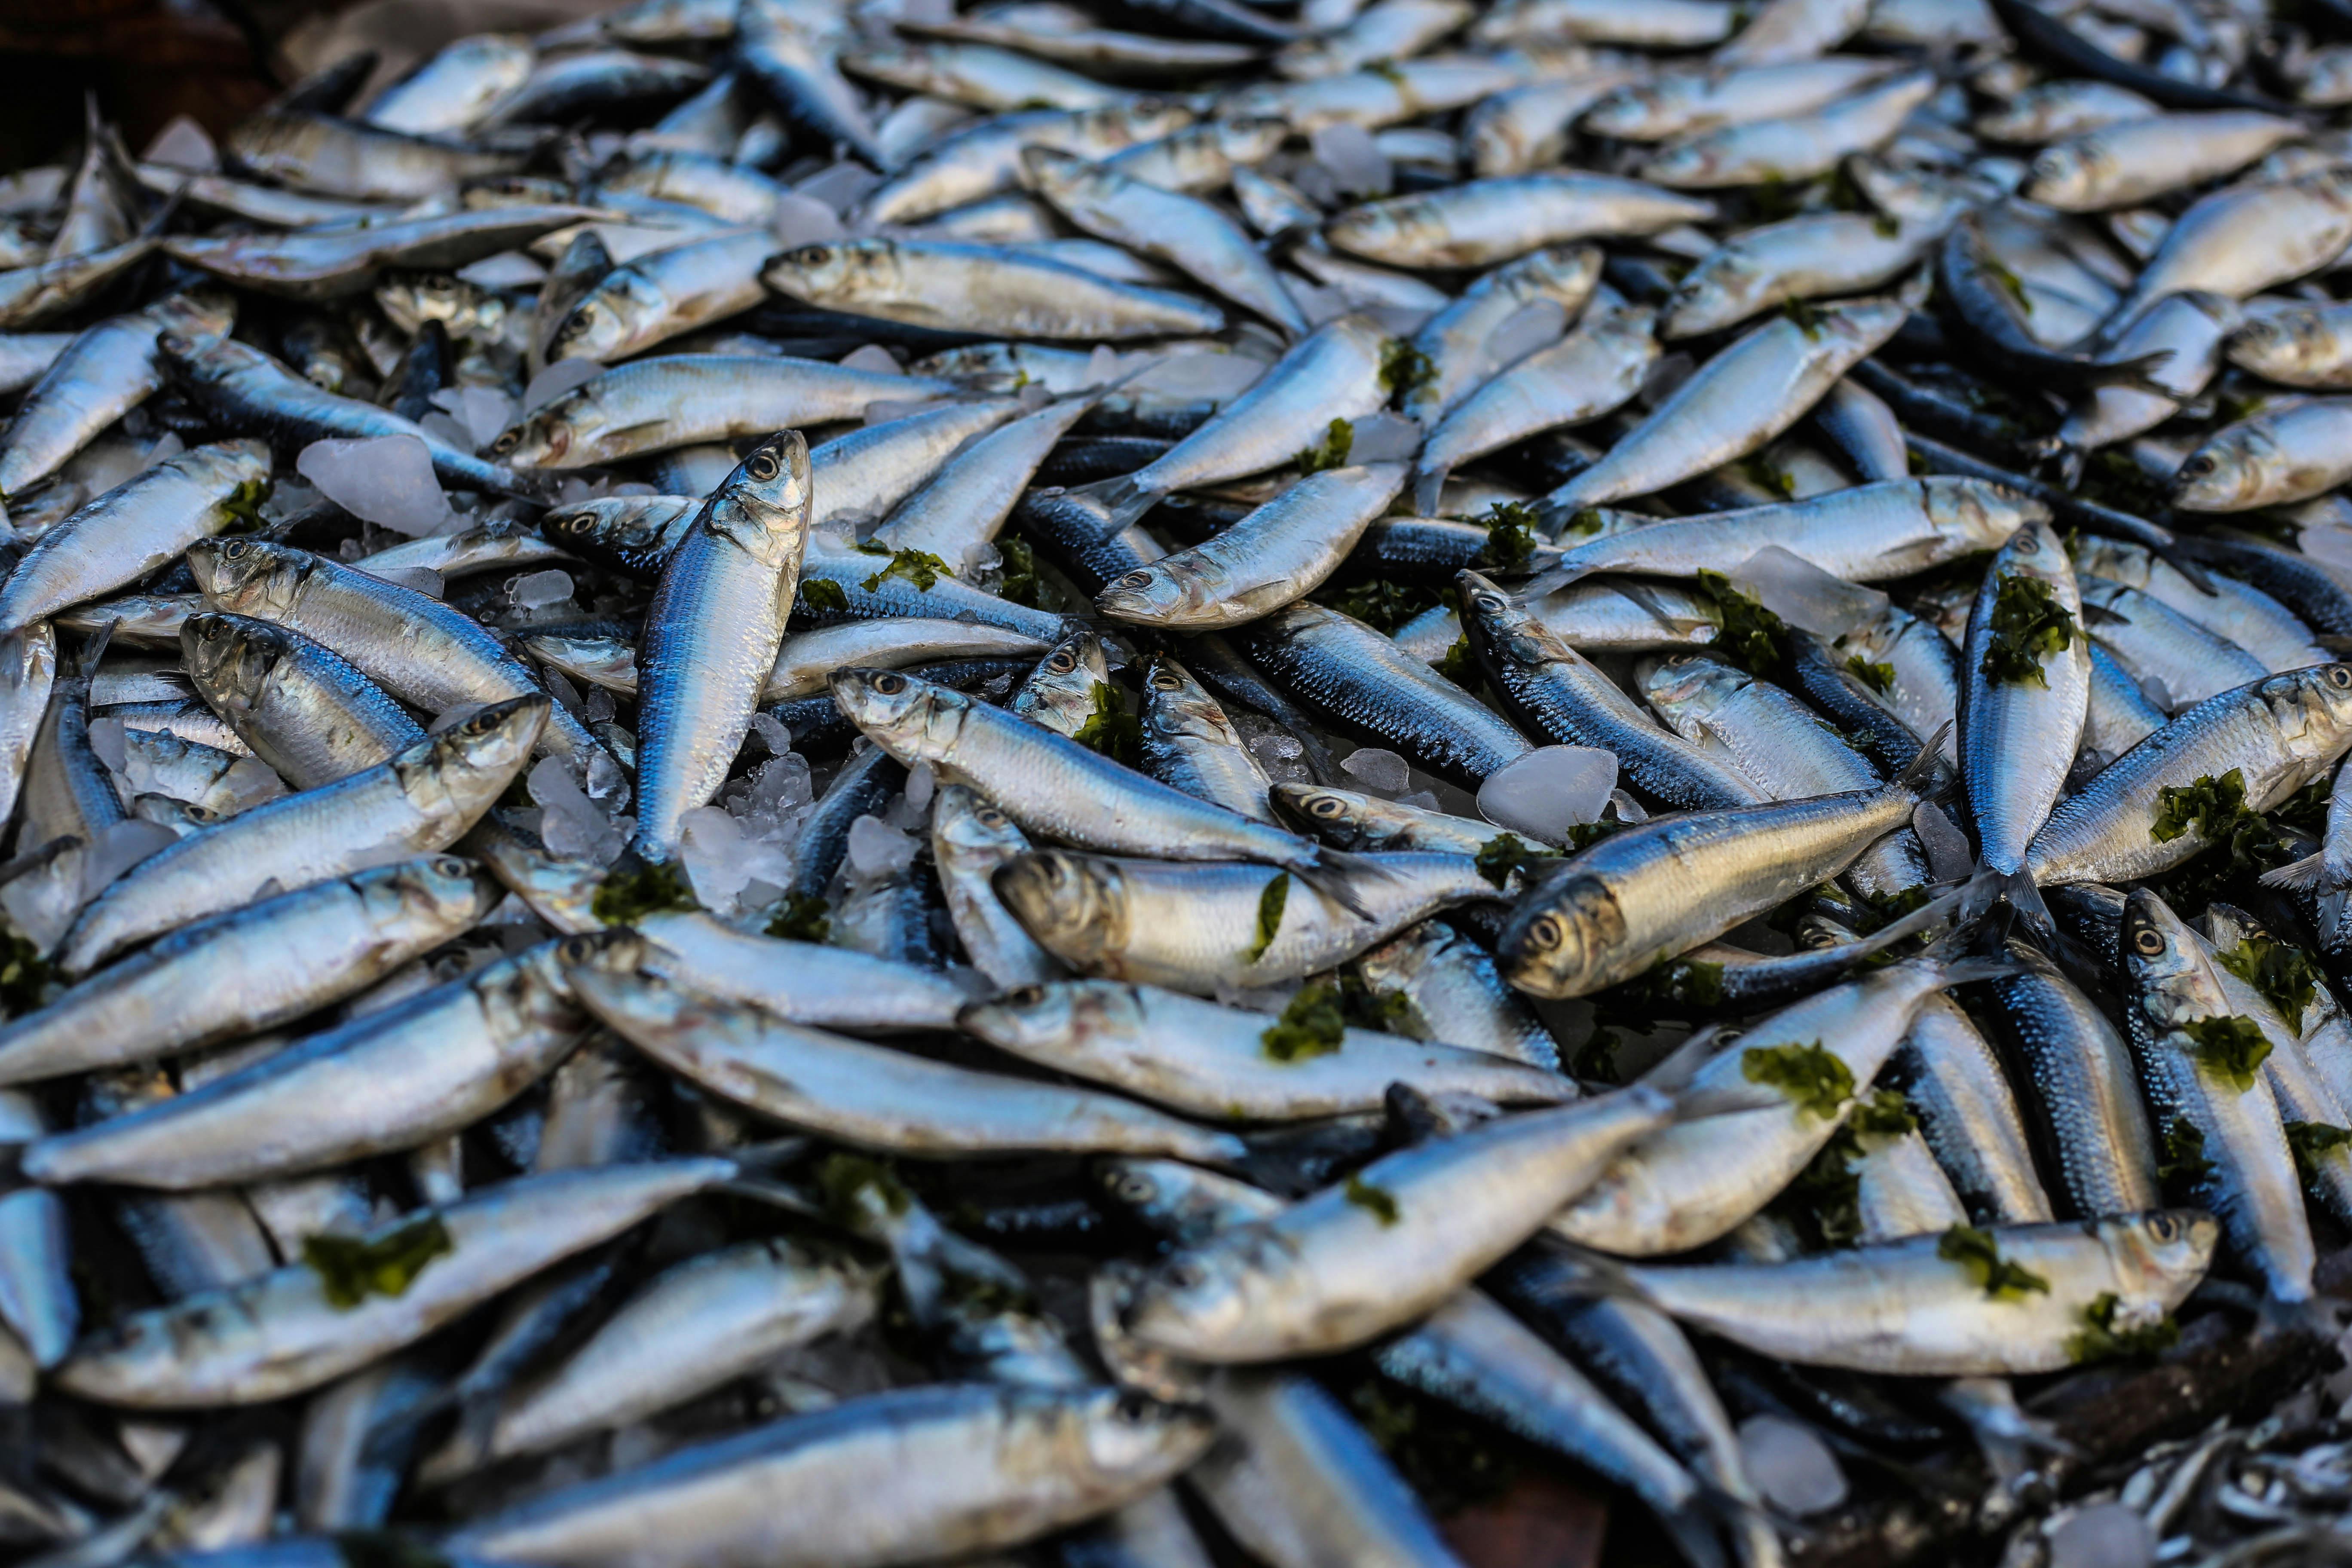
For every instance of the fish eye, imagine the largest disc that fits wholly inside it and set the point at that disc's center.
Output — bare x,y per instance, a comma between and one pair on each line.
2148,941
2339,676
1131,1188
1491,601
1544,931
889,685
812,256
577,949
582,320
1164,681
450,866
235,550
1135,580
2163,1226
1185,1274
989,816
2198,466
1062,662
1024,995
763,466
506,442
1325,806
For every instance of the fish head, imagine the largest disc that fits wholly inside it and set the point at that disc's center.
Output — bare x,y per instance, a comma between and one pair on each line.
2171,976
544,438
2266,343
437,891
834,269
1680,680
965,820
1130,1438
2066,175
1074,667
1380,226
1396,963
1562,937
1697,162
1153,592
475,758
1144,118
201,314
913,718
412,299
1630,110
1499,623
1340,817
1712,296
2164,1251
1074,905
1201,1296
617,950
1049,171
763,505
1066,1016
2315,717
1176,704
1987,515
610,319
2228,473
1564,274
231,658
1250,140
255,577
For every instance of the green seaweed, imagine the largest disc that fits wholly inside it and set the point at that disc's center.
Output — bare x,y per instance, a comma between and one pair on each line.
1383,604
1390,1012
1746,632
1331,452
1111,728
919,567
242,510
1975,1251
2282,972
1596,1059
2231,1049
351,1268
1311,1025
1510,539
2181,1166
1879,678
1376,1201
1020,585
825,593
1404,369
2026,625
2100,1340
624,897
2311,1141
1269,915
24,974
2215,807
1459,665
843,1180
802,917
1505,853
1815,1078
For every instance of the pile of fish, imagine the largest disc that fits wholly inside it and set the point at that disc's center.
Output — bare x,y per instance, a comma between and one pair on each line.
830,781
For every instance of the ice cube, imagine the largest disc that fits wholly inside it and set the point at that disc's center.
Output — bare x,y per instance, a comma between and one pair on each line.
800,219
772,733
250,781
1804,596
1379,772
120,847
1102,365
1356,164
484,412
839,185
877,850
1790,1465
571,824
1383,438
710,845
183,144
558,379
873,357
422,579
2329,543
384,479
106,738
1550,790
445,427
1949,858
2103,1535
506,269
537,590
167,445
1538,324
606,782
980,560
920,783
1316,303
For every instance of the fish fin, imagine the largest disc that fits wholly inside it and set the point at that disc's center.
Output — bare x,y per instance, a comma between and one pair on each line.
1563,575
1927,777
1943,909
1988,890
1428,484
1121,496
2297,876
1552,1271
2100,615
2138,374
1672,1073
1697,1532
93,649
1324,869
774,1193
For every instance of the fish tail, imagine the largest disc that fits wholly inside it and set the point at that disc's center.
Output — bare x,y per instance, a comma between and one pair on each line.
1551,581
1122,497
2297,876
1428,484
1552,1272
1326,871
1927,778
2138,373
1991,888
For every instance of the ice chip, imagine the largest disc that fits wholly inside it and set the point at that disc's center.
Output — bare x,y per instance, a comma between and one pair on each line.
1383,438
2103,1535
606,782
801,220
710,845
571,824
877,850
167,445
384,479
443,426
183,144
1356,164
1378,772
250,781
106,738
558,379
1550,790
1949,859
873,357
772,733
920,782
537,590
1790,1465
1102,365
1317,303
422,579
839,185
1804,596
121,847
485,412
2329,543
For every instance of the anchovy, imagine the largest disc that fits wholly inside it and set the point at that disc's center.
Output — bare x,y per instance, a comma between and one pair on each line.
335,263
1593,370
95,378
798,982
1482,222
660,296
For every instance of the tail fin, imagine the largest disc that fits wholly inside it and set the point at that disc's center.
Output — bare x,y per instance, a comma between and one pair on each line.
1122,498
1988,889
1326,870
2138,374
2298,876
1927,778
1428,485
1553,1272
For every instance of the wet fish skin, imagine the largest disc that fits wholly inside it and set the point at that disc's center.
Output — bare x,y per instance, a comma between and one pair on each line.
2274,458
2130,161
1969,1116
984,160
418,649
799,982
419,801
2165,651
2242,238
1456,995
1455,339
275,1335
712,634
302,708
333,263
96,377
2017,738
1483,222
1594,370
640,303
965,504
1207,1060
455,88
344,158
979,288
2295,346
1192,928
1367,823
249,969
1796,147
793,58
970,839
997,1467
1189,742
1797,258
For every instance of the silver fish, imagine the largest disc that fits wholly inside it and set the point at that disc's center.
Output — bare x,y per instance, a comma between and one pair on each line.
456,87
660,296
1794,147
301,708
99,376
1483,222
2027,675
970,839
1190,744
1594,370
981,288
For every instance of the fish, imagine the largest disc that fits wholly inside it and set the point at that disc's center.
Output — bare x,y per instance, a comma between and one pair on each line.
1483,222
335,264
1791,147
96,377
301,708
638,304
983,288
